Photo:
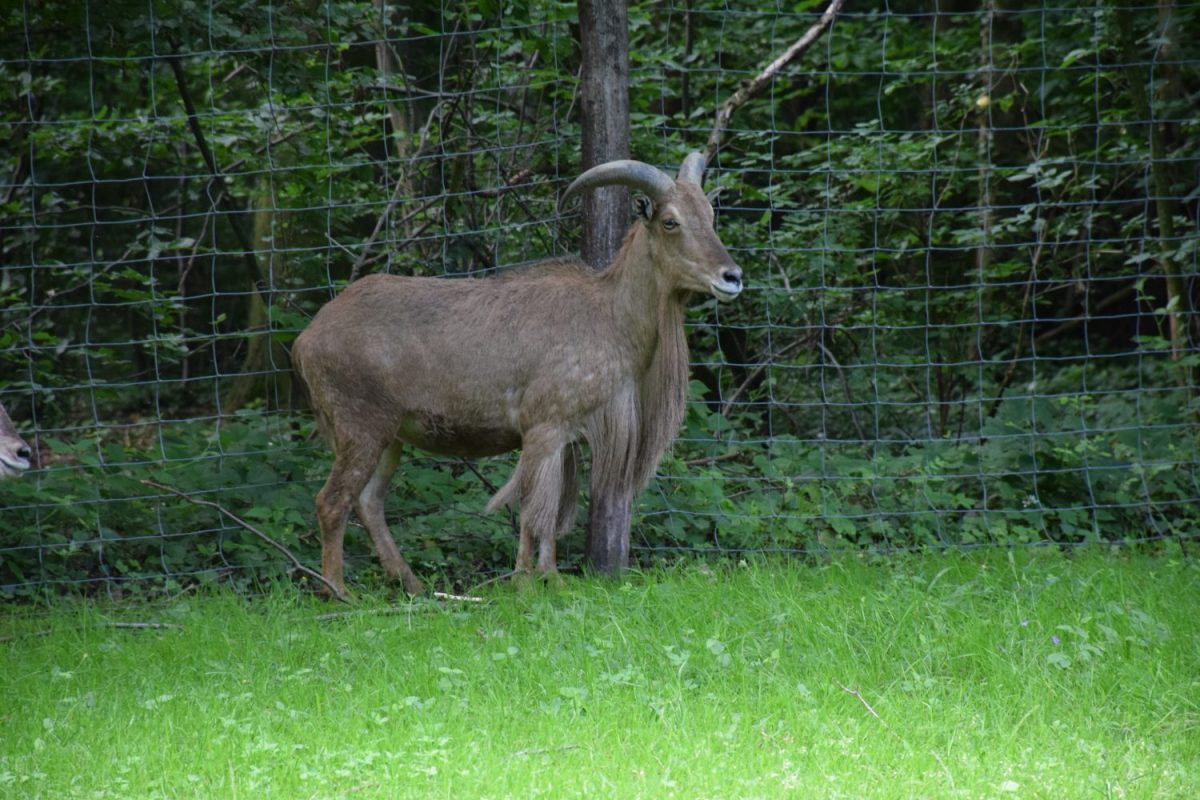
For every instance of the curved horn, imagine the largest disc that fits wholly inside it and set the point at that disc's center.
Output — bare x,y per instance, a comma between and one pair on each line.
692,170
634,174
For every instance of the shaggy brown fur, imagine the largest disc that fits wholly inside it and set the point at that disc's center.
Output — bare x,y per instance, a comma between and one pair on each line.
538,358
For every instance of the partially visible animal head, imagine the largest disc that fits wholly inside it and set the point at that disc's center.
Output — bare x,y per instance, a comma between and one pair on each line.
679,217
14,452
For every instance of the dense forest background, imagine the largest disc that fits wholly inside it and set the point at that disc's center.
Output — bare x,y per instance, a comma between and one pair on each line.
969,231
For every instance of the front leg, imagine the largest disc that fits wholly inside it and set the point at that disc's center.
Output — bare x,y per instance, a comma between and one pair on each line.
609,515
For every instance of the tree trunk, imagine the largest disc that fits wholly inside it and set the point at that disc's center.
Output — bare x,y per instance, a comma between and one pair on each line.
264,369
604,95
1139,76
604,45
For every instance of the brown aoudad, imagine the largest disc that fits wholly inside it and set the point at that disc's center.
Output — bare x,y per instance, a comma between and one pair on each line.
541,358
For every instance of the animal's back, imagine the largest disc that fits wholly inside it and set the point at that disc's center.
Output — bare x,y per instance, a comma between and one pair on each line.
412,356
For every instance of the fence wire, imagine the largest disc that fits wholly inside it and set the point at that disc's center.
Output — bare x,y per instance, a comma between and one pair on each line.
970,239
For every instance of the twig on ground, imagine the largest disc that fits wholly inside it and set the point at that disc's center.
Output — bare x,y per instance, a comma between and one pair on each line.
945,769
500,577
30,635
137,626
386,611
405,609
863,700
460,598
333,590
145,626
537,751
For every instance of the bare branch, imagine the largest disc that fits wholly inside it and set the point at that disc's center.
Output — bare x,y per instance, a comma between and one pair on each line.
459,598
1063,327
862,436
137,626
175,61
19,636
145,626
863,700
729,403
700,462
356,270
404,182
761,81
333,590
516,181
501,577
387,611
540,751
411,608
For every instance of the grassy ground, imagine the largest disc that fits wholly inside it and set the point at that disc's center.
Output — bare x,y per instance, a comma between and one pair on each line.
950,676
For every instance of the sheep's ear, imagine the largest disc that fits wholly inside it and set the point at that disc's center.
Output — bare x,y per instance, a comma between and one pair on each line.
643,206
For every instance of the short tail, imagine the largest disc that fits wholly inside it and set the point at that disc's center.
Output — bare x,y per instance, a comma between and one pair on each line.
509,494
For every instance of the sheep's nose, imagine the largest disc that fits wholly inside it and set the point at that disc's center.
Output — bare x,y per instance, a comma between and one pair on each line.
733,276
24,452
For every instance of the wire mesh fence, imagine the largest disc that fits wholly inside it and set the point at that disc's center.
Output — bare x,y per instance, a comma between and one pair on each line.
969,234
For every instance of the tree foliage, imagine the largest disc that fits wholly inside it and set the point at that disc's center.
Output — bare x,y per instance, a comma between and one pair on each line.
970,235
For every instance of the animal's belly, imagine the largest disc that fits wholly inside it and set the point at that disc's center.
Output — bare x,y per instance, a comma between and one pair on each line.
451,438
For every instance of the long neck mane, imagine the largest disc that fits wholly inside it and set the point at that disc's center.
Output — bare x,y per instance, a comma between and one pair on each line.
662,395
653,317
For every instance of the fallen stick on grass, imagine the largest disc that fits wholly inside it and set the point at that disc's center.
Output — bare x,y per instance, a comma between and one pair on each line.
387,611
408,609
30,635
863,700
539,751
145,626
461,598
333,590
138,626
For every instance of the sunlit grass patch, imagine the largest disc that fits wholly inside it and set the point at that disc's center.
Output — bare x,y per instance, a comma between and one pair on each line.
946,676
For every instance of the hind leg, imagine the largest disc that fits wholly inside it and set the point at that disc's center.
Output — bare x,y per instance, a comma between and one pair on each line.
568,491
352,468
369,506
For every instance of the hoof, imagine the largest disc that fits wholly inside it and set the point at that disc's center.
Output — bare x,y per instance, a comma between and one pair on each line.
553,579
526,580
333,592
522,580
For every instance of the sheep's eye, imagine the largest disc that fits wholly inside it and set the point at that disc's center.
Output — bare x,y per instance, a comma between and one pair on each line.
670,223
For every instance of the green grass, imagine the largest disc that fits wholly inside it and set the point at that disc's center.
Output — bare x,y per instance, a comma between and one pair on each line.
1037,676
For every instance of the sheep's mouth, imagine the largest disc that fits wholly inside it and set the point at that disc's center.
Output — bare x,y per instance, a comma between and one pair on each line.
11,466
724,291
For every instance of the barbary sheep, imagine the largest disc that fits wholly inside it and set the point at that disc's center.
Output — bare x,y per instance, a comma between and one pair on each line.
537,358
